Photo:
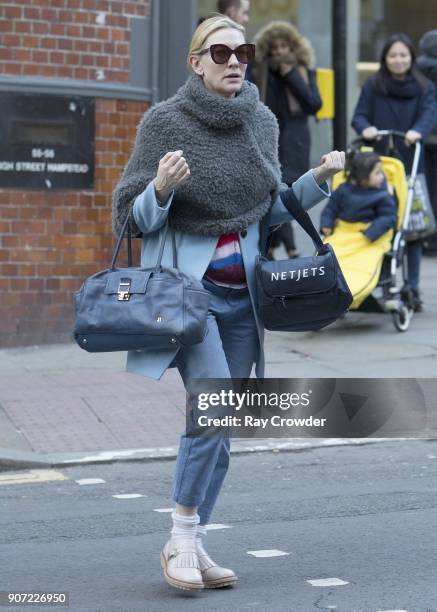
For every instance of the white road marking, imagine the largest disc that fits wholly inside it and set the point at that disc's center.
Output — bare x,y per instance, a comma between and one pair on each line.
90,481
30,476
432,456
128,495
392,611
212,526
163,509
326,582
267,553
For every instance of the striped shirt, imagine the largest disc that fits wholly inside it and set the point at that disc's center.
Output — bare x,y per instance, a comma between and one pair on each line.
226,267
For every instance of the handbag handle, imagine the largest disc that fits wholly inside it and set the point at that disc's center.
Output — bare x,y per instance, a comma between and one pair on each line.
161,247
119,241
126,226
296,209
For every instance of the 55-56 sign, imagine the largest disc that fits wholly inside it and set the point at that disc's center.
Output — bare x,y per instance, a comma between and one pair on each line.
48,141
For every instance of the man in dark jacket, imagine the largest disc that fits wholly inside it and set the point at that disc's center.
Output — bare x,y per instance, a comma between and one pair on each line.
427,63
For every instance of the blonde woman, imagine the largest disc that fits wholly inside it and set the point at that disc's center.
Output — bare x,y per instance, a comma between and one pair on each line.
207,159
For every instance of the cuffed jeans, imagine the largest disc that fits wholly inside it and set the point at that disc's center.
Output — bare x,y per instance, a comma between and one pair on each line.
228,350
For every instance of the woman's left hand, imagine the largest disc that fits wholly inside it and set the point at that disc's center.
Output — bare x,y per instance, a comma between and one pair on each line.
288,64
330,164
411,137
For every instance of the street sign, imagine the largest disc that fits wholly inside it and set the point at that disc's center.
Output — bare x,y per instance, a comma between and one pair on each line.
47,141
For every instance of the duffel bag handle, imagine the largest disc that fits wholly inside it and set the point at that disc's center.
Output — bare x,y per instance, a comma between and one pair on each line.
295,208
126,226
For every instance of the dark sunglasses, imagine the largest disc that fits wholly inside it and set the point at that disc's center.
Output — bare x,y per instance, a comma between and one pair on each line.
220,54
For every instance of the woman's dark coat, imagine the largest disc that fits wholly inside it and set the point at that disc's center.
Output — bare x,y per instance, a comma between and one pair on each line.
388,112
294,133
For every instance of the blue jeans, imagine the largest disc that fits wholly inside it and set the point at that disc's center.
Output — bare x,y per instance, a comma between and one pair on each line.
414,256
228,350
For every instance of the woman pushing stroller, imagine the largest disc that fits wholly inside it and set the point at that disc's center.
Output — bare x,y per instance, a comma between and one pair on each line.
399,97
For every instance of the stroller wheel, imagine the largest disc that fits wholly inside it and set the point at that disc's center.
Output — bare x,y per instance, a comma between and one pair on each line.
402,318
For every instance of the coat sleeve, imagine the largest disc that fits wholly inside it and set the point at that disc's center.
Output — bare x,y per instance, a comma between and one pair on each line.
307,191
307,93
427,112
331,211
386,218
148,213
362,118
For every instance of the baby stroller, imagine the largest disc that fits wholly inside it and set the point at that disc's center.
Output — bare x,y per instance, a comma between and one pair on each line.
390,293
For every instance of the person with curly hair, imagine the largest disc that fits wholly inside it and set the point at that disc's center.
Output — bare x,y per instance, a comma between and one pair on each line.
283,71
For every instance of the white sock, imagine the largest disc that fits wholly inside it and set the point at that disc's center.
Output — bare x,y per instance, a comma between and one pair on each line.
200,533
184,526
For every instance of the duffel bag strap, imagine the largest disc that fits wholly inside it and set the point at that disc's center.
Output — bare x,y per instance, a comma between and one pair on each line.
264,229
296,209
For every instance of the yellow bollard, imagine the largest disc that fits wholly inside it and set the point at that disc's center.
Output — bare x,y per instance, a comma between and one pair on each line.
325,83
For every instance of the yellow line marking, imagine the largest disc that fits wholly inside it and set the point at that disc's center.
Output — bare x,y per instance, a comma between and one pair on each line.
30,476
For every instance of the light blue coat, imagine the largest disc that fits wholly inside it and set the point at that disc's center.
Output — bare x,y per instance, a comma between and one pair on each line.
194,254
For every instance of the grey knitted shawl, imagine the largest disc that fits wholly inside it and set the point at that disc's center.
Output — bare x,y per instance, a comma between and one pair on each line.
231,147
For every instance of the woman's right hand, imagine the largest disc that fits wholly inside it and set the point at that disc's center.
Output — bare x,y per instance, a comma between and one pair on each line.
173,170
370,133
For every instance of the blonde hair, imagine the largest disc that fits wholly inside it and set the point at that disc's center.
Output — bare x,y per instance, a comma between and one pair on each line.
206,28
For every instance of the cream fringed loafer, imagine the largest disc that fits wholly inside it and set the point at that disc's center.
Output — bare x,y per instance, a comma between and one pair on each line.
214,576
180,562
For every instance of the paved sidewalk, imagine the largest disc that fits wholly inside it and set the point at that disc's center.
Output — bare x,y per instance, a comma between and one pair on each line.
60,404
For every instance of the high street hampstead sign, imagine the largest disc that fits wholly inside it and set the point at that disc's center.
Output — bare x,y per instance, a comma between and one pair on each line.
47,141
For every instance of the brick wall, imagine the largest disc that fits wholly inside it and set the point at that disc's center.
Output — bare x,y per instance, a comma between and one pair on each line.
78,39
49,242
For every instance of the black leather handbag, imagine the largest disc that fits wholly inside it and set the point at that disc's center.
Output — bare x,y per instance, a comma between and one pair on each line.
302,294
122,309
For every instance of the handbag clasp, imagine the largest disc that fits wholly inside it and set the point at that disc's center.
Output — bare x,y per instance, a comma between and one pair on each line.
123,289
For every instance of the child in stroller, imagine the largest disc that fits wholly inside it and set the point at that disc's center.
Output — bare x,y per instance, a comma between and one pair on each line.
358,222
363,197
